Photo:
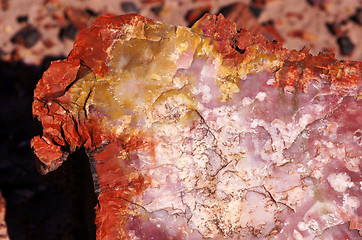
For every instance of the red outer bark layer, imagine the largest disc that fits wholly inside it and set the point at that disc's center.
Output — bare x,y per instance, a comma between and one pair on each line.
298,68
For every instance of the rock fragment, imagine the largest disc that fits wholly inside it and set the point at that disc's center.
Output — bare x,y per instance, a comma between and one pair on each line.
70,32
345,45
206,132
357,17
27,36
22,18
129,7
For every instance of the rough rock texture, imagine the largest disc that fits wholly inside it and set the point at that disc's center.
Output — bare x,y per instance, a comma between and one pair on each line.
206,132
329,26
3,229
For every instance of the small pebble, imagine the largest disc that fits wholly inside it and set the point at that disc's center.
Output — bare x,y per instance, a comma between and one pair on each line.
91,12
129,7
346,47
69,32
27,36
157,9
22,18
256,11
227,10
317,3
357,17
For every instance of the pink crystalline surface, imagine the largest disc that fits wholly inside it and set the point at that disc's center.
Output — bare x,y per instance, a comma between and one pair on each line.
206,133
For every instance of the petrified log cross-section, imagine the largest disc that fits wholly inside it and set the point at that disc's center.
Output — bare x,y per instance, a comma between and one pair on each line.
206,132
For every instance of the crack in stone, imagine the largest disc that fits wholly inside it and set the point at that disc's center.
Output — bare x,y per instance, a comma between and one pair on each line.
136,204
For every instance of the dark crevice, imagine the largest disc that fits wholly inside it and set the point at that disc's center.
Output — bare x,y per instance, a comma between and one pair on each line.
241,51
193,16
38,127
95,176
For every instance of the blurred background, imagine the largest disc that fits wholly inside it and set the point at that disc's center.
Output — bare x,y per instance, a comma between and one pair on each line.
35,32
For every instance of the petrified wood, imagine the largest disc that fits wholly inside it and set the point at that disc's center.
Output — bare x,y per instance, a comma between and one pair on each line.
206,132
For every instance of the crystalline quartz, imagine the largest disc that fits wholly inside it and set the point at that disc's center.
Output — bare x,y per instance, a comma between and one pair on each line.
206,132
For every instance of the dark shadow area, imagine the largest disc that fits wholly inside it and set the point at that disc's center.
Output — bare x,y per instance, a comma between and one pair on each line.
75,178
193,15
225,11
36,209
